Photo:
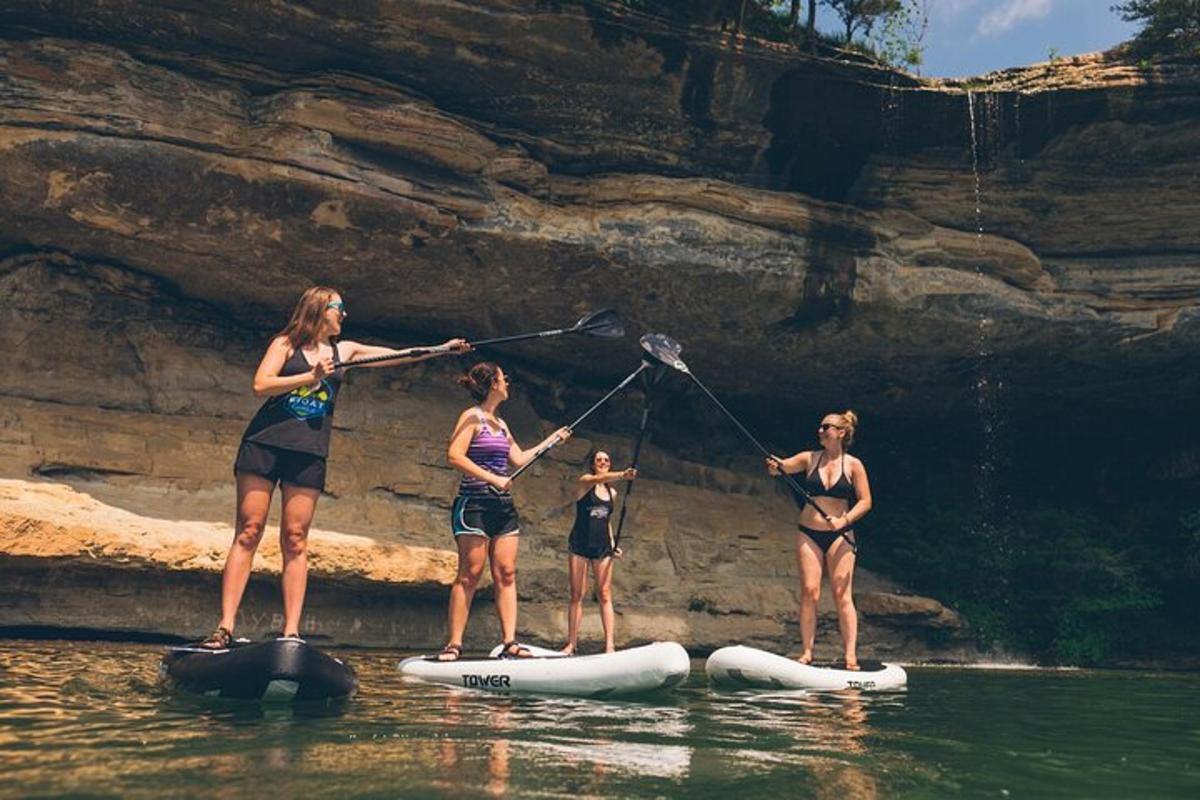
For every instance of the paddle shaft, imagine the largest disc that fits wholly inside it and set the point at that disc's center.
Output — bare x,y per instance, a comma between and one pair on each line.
416,352
541,451
792,482
637,451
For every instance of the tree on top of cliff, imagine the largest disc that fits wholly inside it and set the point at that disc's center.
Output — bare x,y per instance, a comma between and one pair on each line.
860,16
1172,27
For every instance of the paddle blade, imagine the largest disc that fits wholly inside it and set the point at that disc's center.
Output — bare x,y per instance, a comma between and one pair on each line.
662,349
605,324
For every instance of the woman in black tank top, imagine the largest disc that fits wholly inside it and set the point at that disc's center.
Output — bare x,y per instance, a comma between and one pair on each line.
591,542
286,443
837,482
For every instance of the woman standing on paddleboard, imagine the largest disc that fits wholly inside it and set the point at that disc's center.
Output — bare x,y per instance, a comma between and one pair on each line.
287,443
838,483
591,542
483,518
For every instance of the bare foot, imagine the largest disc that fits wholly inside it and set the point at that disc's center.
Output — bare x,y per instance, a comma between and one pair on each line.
852,665
610,648
805,658
568,650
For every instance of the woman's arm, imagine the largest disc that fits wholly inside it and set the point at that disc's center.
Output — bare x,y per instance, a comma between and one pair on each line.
791,465
519,457
592,478
587,480
456,453
862,488
351,351
267,382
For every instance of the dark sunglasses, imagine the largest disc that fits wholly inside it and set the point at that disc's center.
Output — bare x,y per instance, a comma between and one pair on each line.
338,306
824,426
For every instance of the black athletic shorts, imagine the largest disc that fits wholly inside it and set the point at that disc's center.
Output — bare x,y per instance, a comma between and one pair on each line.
277,465
492,517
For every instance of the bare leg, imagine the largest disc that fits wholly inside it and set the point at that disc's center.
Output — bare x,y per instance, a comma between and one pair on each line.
472,554
577,571
841,559
503,557
299,505
253,503
604,572
808,555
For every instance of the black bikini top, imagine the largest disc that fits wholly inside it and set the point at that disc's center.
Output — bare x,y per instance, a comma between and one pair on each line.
841,489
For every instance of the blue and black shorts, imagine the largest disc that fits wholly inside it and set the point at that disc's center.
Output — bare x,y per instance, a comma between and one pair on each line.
492,517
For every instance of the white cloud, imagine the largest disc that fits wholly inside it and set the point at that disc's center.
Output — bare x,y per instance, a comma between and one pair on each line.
1010,13
948,9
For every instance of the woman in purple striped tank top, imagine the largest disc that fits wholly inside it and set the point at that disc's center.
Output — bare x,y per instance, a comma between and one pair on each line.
483,518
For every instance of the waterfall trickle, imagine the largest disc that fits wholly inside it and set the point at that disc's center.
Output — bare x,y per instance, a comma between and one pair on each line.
983,117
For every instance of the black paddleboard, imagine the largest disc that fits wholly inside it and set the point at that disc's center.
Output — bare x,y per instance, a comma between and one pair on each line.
280,670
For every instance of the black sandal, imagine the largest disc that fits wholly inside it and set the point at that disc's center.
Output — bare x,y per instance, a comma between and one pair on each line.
220,639
454,650
514,649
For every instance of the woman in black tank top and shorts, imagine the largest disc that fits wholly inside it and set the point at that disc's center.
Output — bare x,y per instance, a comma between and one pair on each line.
838,483
287,443
591,542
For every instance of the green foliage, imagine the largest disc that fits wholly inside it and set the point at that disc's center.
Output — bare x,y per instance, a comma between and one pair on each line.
1066,586
1170,27
900,40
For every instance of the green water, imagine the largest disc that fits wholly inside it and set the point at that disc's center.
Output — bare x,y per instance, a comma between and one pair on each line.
89,719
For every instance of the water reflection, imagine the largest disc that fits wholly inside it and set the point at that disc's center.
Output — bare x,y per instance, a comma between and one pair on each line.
89,719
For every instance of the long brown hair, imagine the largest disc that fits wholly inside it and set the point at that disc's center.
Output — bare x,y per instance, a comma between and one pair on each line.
307,316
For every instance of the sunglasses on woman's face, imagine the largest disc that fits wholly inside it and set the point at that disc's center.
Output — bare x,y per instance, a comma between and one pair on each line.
824,426
338,306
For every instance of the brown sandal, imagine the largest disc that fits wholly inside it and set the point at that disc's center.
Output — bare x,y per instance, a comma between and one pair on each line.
452,650
514,649
220,639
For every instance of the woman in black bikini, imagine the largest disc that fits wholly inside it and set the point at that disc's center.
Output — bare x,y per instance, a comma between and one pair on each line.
838,482
287,443
591,542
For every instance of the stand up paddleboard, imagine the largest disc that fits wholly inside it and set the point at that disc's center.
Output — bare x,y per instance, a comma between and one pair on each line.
639,669
742,667
281,670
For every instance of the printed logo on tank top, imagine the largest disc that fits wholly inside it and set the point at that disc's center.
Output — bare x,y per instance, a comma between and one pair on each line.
309,403
599,512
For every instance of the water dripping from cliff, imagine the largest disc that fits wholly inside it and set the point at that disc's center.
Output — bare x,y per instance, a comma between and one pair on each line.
985,126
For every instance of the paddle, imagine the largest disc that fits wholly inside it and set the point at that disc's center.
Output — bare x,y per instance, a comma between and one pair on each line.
666,350
655,377
604,324
548,446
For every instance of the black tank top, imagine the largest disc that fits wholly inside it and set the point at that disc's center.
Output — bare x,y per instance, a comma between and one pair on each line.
592,515
302,419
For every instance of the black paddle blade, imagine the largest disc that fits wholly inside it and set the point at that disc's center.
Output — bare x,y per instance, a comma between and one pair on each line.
605,323
662,349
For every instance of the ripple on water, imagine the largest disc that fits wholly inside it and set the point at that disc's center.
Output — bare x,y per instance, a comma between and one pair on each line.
91,719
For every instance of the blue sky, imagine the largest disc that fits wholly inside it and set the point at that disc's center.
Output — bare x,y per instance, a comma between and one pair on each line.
969,37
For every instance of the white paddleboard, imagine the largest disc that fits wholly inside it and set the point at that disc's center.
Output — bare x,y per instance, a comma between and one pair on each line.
639,669
748,667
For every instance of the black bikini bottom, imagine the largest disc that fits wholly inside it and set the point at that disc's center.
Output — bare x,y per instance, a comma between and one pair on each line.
825,539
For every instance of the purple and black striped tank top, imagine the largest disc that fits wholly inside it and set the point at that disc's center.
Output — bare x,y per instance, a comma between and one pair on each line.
488,449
